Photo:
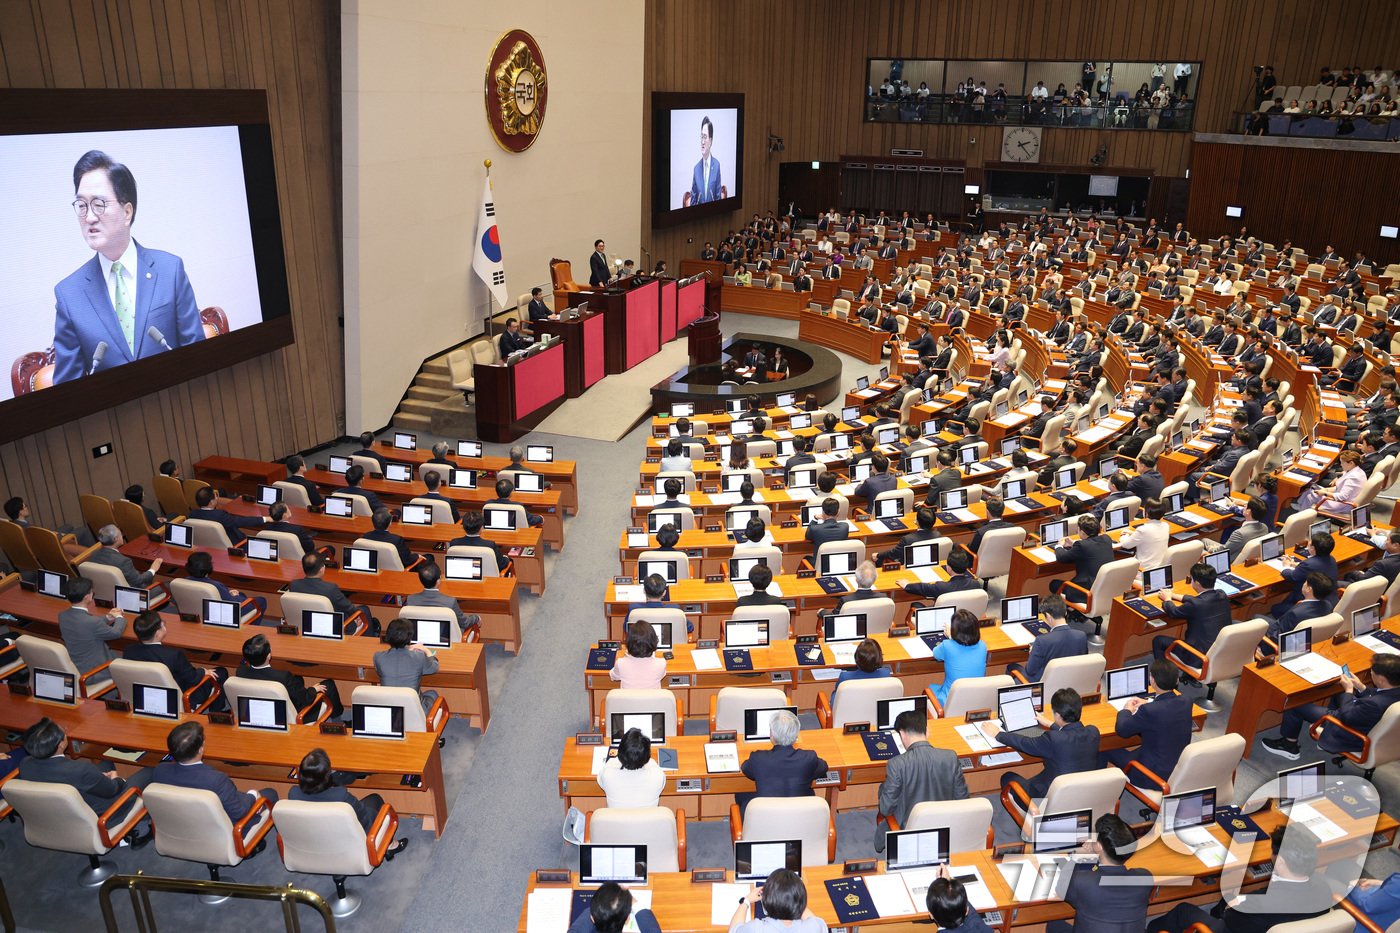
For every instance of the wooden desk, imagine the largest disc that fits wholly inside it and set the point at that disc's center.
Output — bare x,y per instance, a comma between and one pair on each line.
265,757
855,339
562,475
495,599
771,302
234,474
460,680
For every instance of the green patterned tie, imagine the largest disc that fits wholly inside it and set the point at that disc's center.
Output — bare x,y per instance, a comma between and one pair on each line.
125,316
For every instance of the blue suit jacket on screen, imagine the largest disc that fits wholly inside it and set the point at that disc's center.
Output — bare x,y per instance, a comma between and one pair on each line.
85,318
699,194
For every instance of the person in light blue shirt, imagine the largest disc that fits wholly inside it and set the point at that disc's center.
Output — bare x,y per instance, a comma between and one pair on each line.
870,663
1379,900
963,653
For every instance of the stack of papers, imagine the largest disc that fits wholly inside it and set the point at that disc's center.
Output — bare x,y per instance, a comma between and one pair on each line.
889,895
706,659
724,900
1043,553
927,574
963,515
915,647
629,593
1375,644
721,758
1018,633
547,910
973,737
1323,828
1313,668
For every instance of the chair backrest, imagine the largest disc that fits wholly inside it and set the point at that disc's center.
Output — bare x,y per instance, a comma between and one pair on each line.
1081,673
653,827
969,820
686,477
49,655
191,488
1097,791
131,519
1360,594
288,545
371,465
974,601
1209,763
16,547
47,549
682,518
878,610
150,673
1243,473
442,511
1183,557
236,687
170,494
405,698
764,512
190,824
994,553
855,701
682,562
105,579
389,558
293,494
97,511
1336,920
359,505
483,554
973,693
321,838
295,604
1114,579
1385,739
731,702
762,448
1233,648
770,554
1295,527
640,701
805,818
190,594
779,619
208,534
840,547
1323,627
1053,435
55,816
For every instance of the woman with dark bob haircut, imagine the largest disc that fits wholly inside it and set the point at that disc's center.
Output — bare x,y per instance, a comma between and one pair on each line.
317,782
963,652
785,903
870,662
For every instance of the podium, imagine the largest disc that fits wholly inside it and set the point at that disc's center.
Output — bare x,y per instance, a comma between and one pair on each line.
583,339
705,338
513,397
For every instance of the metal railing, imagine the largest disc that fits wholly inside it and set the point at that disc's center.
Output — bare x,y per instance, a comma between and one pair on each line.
1111,114
141,886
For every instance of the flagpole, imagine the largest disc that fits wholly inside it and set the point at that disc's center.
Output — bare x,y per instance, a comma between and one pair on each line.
490,317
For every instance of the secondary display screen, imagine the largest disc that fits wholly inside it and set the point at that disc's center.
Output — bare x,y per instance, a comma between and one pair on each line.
697,144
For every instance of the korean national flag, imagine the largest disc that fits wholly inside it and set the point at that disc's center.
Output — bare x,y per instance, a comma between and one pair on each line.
486,263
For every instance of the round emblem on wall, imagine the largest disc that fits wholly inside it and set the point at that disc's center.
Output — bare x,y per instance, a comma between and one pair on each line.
517,91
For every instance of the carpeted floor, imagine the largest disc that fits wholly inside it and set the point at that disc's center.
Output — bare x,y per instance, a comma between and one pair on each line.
613,407
506,812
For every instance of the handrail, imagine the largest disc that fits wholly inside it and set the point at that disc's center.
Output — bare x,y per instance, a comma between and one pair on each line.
140,886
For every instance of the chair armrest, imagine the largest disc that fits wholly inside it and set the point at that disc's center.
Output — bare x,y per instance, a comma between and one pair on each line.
250,603
1316,728
714,708
209,701
417,562
1019,677
680,714
680,839
472,636
824,710
1205,480
509,570
1357,914
243,843
891,823
736,823
437,714
359,628
1067,585
933,701
83,681
325,711
326,551
1016,801
381,834
164,588
78,559
1198,928
831,836
1182,665
111,835
1151,775
9,653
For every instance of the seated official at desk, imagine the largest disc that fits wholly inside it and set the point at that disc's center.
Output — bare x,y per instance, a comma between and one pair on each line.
654,587
1104,901
676,460
381,519
924,518
1254,526
512,340
353,477
1061,641
472,523
996,508
639,668
504,488
1319,559
609,910
1086,552
781,771
828,527
46,762
538,310
801,454
1066,747
1206,611
319,783
150,631
296,469
870,664
313,582
865,577
756,537
233,524
667,537
1162,720
959,562
1317,590
428,576
136,495
406,663
921,772
432,482
1357,707
257,665
633,778
108,555
949,908
367,450
200,566
1149,540
186,746
963,652
784,899
760,578
278,512
86,634
880,480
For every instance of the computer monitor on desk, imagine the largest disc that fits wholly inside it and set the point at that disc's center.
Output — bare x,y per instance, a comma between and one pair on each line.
668,570
755,861
1061,832
832,564
221,613
598,864
55,584
917,848
758,723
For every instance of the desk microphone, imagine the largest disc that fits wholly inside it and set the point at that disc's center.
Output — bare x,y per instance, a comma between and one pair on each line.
98,354
154,333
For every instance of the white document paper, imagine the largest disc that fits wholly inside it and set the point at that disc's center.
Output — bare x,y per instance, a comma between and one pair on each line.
973,737
1323,828
724,498
721,757
915,647
978,894
1018,633
742,588
1044,553
646,502
825,673
1314,668
629,593
706,659
876,527
600,757
963,515
1014,505
724,900
845,489
547,910
641,900
844,652
1375,644
889,895
926,574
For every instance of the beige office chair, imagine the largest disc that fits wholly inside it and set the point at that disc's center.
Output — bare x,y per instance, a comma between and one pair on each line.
681,562
55,816
191,824
855,548
389,559
779,619
969,821
660,615
325,838
856,701
1232,649
442,511
522,516
661,700
993,557
237,687
1182,557
1080,673
1359,595
461,372
415,718
208,534
1295,527
288,545
1204,763
878,612
127,674
295,605
770,819
371,465
483,554
438,614
105,580
53,656
968,693
359,505
1337,920
293,494
660,829
1097,791
189,595
974,601
1113,580
1379,745
770,554
728,705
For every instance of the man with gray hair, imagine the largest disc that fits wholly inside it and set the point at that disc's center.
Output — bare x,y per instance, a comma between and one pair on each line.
920,773
865,584
781,771
110,537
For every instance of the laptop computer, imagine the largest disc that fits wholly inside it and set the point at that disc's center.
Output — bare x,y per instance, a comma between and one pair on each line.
178,534
261,548
668,570
1301,783
398,472
921,554
933,620
55,584
502,519
339,506
539,453
404,440
54,686
755,861
917,848
469,448
1188,814
269,495
462,479
1053,837
328,625
462,568
1017,490
887,711
156,701
221,612
1024,611
758,722
892,507
1271,550
801,478
737,519
1125,683
358,559
131,599
416,514
529,482
1158,578
745,633
339,464
1225,581
372,721
861,471
1052,532
432,633
1294,644
800,421
1114,519
836,563
259,713
1366,630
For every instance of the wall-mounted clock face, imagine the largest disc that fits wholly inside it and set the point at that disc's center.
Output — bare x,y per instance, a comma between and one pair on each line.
1020,144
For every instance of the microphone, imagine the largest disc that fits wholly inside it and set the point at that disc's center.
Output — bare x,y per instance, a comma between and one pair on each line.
98,354
154,333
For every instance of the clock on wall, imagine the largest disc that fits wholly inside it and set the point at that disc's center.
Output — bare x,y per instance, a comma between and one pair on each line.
1020,144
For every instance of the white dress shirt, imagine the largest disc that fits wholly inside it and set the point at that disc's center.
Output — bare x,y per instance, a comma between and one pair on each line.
632,788
1149,541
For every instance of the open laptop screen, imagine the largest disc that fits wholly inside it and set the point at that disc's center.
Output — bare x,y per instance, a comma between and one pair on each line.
151,700
621,864
1127,682
887,711
1058,832
758,723
651,725
55,686
260,713
917,848
221,612
372,721
847,627
755,861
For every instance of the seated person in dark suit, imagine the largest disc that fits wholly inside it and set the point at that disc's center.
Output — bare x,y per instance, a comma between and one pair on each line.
186,746
865,577
278,512
382,534
1388,566
924,517
313,566
1118,489
428,576
1163,720
800,454
257,665
367,450
996,508
136,494
1296,891
233,524
959,562
318,782
781,771
1148,483
1067,747
1103,901
432,480
45,761
150,631
1316,601
296,470
1319,560
472,523
828,528
539,311
504,488
1357,707
111,539
353,477
609,910
512,339
439,457
1206,611
1061,641
760,577
880,480
200,566
655,588
1087,552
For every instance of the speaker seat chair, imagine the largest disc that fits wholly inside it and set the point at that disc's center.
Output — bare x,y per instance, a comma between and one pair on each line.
191,824
660,829
770,819
55,816
325,838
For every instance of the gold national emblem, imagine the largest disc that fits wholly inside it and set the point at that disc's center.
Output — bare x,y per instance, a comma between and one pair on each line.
882,745
1239,824
517,90
852,900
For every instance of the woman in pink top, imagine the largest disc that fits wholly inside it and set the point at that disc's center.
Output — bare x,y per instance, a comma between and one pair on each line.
639,668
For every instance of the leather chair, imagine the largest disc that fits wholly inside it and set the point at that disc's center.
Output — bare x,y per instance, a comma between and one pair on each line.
660,700
208,534
48,548
1081,674
415,718
855,701
770,554
1379,745
1295,527
16,548
106,578
969,821
131,519
442,511
170,493
1204,763
660,829
682,563
438,614
1232,649
1113,580
522,517
1358,596
728,705
779,619
771,819
993,557
359,505
190,594
317,712
325,838
295,604
389,559
461,372
55,816
1182,557
878,612
968,693
191,824
127,674
974,601
487,558
288,545
53,656
293,494
97,512
191,488
371,465
1097,791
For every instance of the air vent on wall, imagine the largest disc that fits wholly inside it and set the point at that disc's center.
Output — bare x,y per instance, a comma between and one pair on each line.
913,153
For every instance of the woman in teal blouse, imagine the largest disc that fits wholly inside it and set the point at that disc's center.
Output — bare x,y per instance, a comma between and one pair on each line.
963,653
